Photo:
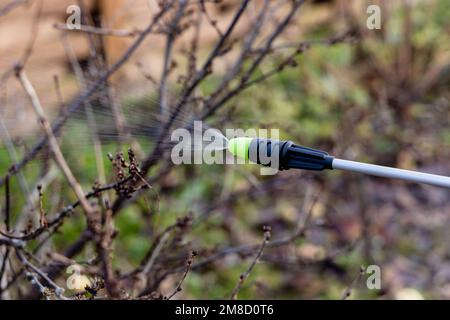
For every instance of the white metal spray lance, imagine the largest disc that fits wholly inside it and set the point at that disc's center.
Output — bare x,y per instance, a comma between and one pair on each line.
291,156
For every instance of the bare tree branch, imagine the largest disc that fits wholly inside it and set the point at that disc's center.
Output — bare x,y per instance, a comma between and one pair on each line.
245,275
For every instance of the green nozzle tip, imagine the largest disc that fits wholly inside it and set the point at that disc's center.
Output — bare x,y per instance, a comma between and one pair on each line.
239,147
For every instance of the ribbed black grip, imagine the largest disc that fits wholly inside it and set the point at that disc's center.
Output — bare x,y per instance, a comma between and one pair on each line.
285,155
299,157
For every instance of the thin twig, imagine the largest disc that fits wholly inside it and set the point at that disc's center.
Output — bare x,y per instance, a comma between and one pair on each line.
58,156
99,31
58,290
42,215
188,268
348,291
211,105
148,266
171,35
7,224
104,252
30,44
12,153
82,97
7,205
12,5
245,275
211,21
92,125
65,212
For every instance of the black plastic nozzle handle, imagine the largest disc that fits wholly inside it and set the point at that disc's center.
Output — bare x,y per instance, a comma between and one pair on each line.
285,155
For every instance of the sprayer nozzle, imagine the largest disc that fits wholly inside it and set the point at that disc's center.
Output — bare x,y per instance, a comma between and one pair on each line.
278,154
239,147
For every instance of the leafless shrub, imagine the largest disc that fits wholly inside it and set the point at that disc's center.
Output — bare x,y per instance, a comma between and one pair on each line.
253,46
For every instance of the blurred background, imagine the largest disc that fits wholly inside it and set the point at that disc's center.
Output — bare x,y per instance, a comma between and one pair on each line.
379,96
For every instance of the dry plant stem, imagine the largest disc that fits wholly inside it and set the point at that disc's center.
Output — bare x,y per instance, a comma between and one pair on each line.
11,243
121,124
211,105
30,44
59,94
124,135
104,252
5,136
59,217
7,205
34,33
99,31
7,224
89,112
171,35
245,275
211,21
32,202
42,216
3,268
193,50
248,43
148,266
157,247
188,268
348,291
58,290
53,143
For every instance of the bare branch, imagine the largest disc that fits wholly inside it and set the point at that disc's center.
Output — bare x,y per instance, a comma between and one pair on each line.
58,156
99,31
188,268
171,35
59,292
11,6
348,291
245,275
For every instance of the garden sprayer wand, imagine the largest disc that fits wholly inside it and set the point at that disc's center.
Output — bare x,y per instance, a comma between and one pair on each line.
285,155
